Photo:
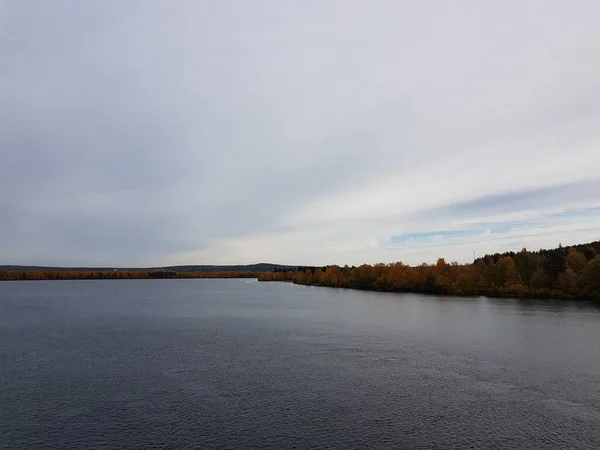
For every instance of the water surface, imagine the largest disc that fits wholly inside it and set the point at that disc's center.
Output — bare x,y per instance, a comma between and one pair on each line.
242,364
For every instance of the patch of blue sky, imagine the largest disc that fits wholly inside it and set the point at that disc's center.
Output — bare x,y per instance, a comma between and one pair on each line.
485,230
585,212
433,235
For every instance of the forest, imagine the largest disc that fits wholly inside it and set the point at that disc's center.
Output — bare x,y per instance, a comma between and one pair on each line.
563,272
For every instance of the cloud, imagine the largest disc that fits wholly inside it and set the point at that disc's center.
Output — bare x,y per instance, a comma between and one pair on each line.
142,133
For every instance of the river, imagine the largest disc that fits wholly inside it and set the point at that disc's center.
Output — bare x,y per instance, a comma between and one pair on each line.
228,364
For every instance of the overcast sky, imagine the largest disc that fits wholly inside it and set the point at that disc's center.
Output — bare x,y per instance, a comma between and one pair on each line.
297,132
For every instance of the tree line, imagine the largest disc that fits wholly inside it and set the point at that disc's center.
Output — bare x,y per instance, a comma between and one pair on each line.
115,274
563,272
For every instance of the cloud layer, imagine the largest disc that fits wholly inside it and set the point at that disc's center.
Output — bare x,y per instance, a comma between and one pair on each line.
146,133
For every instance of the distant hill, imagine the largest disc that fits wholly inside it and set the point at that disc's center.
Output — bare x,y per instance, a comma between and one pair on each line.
259,267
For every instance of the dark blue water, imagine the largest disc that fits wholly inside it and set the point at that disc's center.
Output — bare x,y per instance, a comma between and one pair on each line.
241,364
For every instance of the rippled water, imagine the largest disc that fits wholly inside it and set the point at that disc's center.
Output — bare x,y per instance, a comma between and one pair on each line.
242,364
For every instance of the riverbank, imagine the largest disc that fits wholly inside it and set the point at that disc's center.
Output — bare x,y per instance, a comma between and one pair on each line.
20,275
545,294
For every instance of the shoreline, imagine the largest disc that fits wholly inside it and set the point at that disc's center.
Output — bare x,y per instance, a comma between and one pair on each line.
527,296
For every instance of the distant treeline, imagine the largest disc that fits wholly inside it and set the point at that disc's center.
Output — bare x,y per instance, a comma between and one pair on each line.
563,272
115,274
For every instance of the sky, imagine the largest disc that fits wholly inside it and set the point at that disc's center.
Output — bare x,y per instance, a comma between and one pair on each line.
144,133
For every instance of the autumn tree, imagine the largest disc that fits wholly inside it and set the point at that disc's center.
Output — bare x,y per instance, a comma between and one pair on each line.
539,280
575,261
591,275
